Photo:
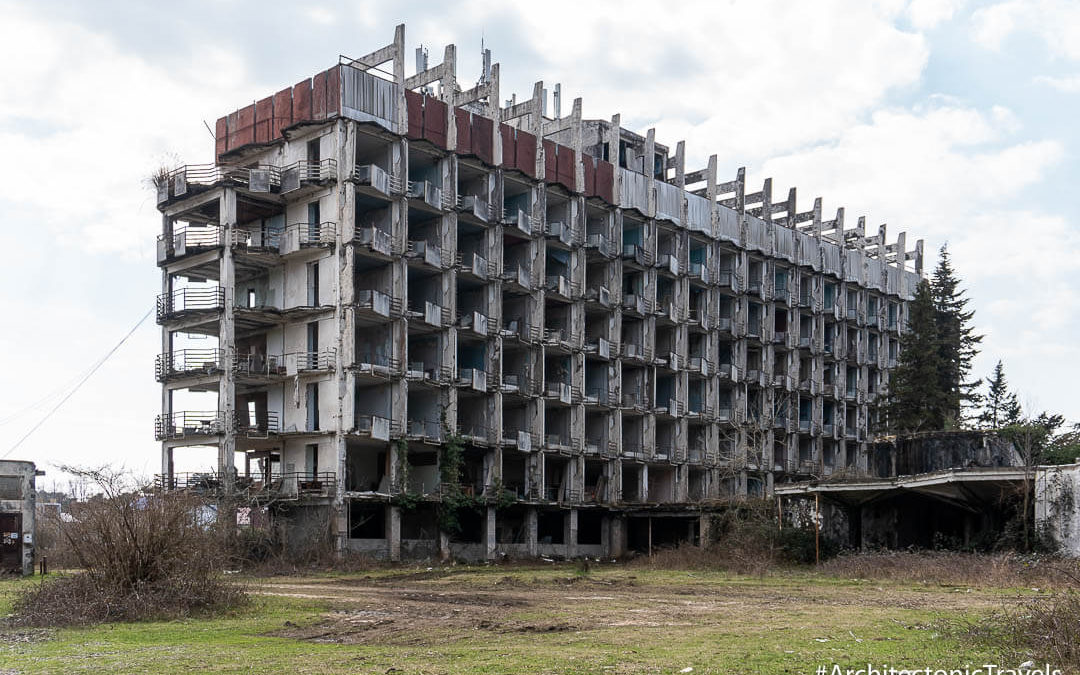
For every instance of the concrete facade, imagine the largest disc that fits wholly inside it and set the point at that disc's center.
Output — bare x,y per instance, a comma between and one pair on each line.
377,261
18,495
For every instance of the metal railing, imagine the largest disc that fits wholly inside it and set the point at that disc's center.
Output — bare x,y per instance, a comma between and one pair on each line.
188,362
189,300
189,423
295,175
256,365
260,428
292,485
311,361
179,181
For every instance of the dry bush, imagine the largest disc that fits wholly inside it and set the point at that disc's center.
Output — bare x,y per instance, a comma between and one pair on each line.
1044,629
142,555
956,568
746,539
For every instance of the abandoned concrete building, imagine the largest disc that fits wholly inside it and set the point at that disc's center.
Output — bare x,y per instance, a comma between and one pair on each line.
17,498
954,490
375,262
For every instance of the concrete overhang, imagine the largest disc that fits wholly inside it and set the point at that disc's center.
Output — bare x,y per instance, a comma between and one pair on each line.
967,488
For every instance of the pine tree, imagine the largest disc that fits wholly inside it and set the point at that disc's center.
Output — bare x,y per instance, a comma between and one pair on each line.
1001,407
958,343
915,400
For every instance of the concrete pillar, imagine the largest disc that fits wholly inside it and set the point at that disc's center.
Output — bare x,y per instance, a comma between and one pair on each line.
489,534
617,532
605,535
531,526
705,530
227,342
393,532
444,546
570,533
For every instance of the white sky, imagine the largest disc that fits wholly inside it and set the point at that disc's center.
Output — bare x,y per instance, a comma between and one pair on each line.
950,120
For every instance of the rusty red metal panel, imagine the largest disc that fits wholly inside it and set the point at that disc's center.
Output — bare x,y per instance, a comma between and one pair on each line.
333,91
565,174
282,111
221,136
244,133
526,153
482,131
605,181
318,96
301,101
264,113
463,125
589,166
231,123
550,161
509,146
414,104
435,112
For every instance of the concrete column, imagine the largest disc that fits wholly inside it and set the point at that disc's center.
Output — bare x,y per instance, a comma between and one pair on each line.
617,536
570,532
393,532
489,535
227,341
705,529
605,535
531,526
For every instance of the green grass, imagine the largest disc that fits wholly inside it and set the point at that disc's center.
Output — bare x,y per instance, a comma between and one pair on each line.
653,621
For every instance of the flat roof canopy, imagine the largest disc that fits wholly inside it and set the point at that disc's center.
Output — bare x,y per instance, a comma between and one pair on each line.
967,488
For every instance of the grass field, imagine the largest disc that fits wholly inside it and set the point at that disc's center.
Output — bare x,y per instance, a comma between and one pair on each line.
551,619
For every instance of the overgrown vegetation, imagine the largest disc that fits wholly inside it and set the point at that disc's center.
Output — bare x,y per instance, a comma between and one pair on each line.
142,555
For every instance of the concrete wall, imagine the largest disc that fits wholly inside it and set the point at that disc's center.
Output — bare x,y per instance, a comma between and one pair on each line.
18,496
1056,509
923,453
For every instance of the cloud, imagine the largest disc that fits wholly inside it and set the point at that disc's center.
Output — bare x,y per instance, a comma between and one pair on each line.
89,123
1056,22
1070,84
927,14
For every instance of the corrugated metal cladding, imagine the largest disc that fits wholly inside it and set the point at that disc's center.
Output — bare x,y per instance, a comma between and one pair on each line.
605,181
482,129
262,122
435,121
728,225
526,153
565,175
367,98
509,147
551,161
414,108
588,164
463,128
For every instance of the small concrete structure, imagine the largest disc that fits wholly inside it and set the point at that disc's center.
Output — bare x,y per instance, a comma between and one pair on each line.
1055,505
17,497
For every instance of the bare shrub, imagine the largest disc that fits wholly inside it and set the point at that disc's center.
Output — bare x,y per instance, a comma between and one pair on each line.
746,539
1045,629
142,554
956,568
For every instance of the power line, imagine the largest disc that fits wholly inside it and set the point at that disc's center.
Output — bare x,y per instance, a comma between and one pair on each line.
80,383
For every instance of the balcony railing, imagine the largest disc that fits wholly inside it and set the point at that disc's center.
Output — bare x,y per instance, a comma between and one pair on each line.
189,423
294,485
170,305
299,236
258,365
301,362
295,176
188,363
180,181
375,177
262,426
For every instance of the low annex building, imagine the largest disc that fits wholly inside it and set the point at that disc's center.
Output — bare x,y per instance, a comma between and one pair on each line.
18,494
377,264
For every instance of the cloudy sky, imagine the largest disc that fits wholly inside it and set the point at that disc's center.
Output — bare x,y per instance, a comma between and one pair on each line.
953,121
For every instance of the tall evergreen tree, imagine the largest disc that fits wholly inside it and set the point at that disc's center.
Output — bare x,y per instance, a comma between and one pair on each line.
1000,406
915,400
957,341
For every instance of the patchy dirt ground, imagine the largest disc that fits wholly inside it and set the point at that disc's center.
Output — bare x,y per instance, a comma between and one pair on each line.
436,606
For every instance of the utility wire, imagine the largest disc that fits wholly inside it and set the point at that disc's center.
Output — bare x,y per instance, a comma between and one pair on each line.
80,383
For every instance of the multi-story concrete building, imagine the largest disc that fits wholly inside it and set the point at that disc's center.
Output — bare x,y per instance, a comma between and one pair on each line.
381,263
